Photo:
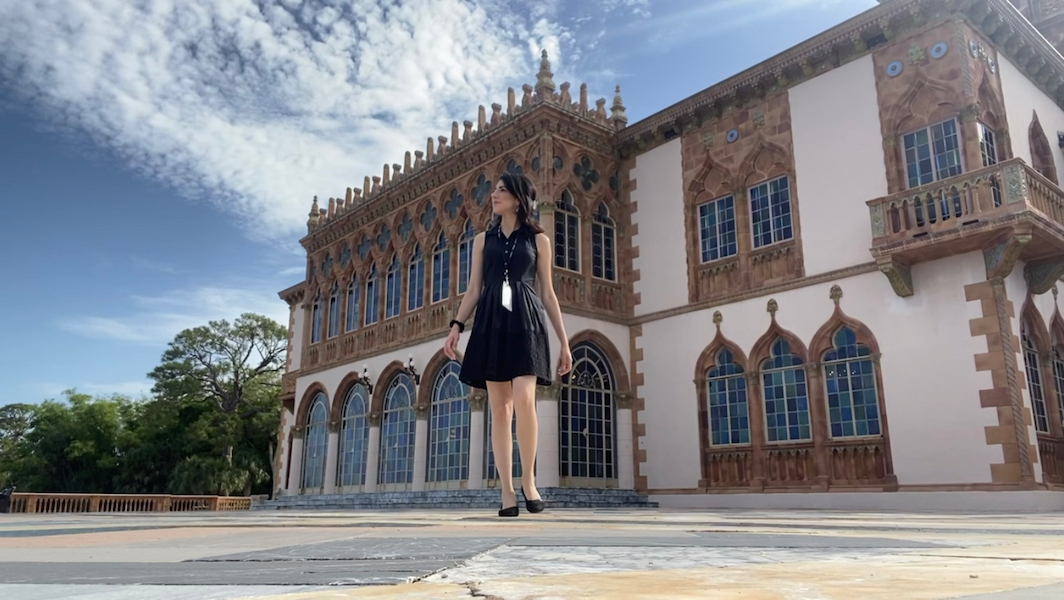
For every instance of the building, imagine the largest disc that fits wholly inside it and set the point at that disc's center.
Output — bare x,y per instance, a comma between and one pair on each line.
828,281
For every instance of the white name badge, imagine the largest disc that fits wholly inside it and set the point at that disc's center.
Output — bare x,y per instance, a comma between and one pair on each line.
507,295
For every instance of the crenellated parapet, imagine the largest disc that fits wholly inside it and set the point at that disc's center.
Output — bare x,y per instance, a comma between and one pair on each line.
469,135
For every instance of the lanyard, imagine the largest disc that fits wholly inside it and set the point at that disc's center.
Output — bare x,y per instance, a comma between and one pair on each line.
507,292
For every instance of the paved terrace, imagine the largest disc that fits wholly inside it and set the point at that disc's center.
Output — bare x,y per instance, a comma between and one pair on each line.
560,554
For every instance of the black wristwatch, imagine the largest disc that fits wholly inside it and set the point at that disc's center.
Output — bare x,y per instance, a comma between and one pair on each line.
461,325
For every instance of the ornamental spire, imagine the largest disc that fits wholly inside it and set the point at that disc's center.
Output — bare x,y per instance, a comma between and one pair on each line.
544,79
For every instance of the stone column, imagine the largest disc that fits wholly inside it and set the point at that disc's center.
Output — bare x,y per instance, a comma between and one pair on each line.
625,450
816,394
296,483
373,453
477,423
421,446
332,453
547,463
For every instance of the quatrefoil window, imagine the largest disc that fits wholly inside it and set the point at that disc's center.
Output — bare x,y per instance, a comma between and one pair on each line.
513,168
405,227
345,255
363,247
384,237
482,190
428,217
454,203
586,172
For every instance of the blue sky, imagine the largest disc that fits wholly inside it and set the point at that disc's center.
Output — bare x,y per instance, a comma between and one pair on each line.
157,162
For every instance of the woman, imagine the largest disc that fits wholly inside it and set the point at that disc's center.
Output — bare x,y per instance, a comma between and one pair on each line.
508,351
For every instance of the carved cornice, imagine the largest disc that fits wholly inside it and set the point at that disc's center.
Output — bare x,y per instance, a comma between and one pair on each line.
294,294
998,20
465,160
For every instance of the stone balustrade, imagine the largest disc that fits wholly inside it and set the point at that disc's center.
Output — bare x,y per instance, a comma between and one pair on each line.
115,503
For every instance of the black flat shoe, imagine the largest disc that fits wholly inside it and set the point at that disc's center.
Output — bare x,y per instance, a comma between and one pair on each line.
513,511
533,506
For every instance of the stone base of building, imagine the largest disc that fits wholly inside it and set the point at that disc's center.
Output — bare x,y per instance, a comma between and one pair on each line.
902,500
556,497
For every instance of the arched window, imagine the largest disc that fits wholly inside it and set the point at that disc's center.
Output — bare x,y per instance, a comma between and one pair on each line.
449,427
1041,151
373,297
316,445
392,286
397,432
729,416
1058,371
354,437
786,397
586,413
465,256
850,378
441,270
315,320
415,297
566,234
354,293
1035,386
603,245
489,452
334,311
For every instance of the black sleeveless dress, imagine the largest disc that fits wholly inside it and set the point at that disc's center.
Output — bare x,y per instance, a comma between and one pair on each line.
504,344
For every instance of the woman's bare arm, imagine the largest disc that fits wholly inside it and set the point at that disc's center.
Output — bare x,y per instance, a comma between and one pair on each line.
476,281
545,282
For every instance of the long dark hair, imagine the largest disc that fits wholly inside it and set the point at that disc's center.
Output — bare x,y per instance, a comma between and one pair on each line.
521,187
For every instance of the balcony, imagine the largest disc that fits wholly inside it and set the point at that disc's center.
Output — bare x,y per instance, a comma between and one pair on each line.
1008,210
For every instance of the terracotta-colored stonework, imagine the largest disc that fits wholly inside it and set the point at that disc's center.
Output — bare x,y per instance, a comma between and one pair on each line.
727,158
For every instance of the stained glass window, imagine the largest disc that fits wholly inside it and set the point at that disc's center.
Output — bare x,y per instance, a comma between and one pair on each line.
850,377
729,416
786,395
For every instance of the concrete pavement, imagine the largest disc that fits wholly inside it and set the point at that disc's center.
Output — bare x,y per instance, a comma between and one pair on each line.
560,554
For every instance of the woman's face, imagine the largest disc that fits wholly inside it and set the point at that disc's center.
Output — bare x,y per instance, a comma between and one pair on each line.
502,201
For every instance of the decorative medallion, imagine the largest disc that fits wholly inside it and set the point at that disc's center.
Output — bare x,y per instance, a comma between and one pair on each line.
733,135
707,140
916,55
894,69
939,50
973,47
587,173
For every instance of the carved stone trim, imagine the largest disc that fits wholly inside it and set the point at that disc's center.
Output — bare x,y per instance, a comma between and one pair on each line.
1011,376
1001,258
549,392
899,275
334,426
1041,278
298,432
879,226
375,419
477,400
421,411
625,401
1015,184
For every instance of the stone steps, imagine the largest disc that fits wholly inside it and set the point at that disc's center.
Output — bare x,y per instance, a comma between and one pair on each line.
457,499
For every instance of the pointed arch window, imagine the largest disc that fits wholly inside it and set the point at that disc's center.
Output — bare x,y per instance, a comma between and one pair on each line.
566,234
770,209
449,432
373,296
354,293
393,284
1058,371
1035,386
415,293
315,320
397,433
441,270
354,437
850,378
603,245
587,416
729,417
334,311
465,256
317,442
786,395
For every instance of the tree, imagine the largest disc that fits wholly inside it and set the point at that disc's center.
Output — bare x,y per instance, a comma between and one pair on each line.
235,368
15,421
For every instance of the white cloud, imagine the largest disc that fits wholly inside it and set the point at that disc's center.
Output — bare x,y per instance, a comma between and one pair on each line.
155,320
258,105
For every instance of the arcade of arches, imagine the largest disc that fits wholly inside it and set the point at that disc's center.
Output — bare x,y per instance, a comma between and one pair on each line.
409,433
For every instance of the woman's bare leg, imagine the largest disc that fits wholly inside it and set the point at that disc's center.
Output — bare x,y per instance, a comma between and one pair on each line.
524,402
500,398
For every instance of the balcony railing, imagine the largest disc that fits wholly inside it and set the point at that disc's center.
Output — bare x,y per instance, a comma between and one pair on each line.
115,503
967,213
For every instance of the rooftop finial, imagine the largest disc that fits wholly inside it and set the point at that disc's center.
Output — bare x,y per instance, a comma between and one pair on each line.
544,80
313,216
617,114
